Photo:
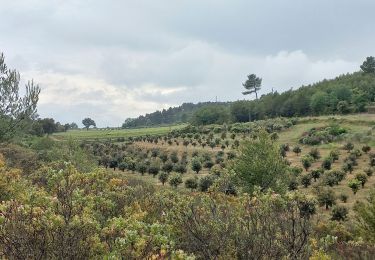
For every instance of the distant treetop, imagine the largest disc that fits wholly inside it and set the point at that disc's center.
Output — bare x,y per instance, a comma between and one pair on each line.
87,122
252,85
368,65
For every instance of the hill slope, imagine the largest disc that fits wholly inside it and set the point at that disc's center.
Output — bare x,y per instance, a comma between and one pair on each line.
344,94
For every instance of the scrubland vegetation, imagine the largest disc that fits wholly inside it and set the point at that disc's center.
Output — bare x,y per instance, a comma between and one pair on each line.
215,188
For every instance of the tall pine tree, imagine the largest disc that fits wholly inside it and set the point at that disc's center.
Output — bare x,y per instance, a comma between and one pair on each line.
252,85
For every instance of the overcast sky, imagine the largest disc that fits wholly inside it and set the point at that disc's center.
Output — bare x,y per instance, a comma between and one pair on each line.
114,59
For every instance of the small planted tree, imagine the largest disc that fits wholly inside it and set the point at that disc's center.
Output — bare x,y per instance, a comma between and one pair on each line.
196,165
259,164
327,163
348,147
141,168
330,179
191,183
131,165
366,149
335,154
163,177
369,171
154,169
339,213
113,164
362,178
168,166
314,153
354,184
163,157
343,197
306,180
175,180
297,150
316,173
326,197
186,143
307,161
293,184
205,183
174,157
180,168
348,167
122,166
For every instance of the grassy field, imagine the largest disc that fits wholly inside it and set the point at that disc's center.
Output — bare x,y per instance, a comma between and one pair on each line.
93,134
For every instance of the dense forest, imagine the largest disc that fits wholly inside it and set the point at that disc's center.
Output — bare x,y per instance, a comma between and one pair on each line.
345,94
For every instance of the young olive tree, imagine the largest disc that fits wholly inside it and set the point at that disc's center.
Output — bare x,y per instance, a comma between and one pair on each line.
259,163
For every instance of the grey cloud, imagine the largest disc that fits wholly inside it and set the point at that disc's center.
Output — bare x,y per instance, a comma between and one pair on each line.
143,55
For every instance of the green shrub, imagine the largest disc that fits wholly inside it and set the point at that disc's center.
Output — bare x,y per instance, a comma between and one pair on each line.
354,184
327,163
343,197
205,183
362,178
339,213
314,153
191,183
175,180
306,180
163,177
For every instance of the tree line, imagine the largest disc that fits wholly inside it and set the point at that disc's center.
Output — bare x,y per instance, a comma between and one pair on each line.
349,93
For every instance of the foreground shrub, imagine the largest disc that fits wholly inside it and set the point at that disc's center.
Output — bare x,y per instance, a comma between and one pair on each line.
339,213
259,163
365,216
210,224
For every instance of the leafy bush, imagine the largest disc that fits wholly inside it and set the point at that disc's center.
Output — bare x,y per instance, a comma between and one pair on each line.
191,183
343,197
306,180
163,177
196,165
316,136
307,160
175,180
362,178
339,213
326,197
354,184
297,150
205,183
316,173
314,153
327,163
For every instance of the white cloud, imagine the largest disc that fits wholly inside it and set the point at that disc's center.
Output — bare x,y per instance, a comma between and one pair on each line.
117,59
70,95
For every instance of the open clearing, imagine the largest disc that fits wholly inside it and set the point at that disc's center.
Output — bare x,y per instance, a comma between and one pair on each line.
98,134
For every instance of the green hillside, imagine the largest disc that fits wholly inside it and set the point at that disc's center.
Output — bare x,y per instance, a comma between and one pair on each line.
345,94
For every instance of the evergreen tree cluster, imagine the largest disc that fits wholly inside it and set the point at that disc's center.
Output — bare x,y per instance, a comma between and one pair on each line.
349,93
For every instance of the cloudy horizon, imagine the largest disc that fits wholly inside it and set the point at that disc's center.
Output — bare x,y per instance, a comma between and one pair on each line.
110,60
